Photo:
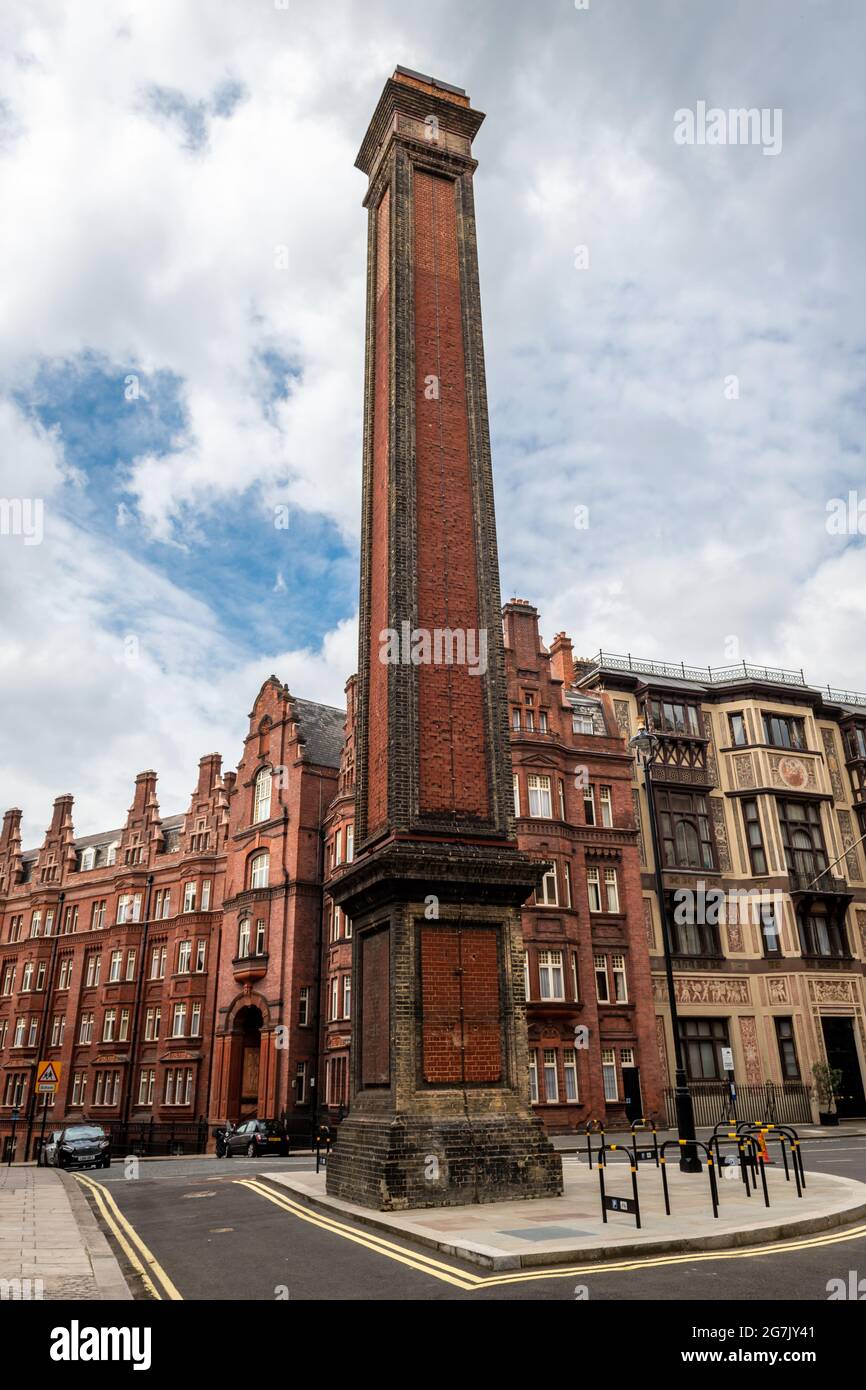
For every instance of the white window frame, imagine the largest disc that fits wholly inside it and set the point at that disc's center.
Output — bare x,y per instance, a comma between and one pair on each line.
609,1075
569,1069
539,795
548,889
611,890
260,869
593,890
262,789
549,1069
599,966
551,976
620,979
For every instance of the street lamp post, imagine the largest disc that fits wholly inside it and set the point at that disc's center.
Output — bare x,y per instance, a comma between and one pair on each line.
644,745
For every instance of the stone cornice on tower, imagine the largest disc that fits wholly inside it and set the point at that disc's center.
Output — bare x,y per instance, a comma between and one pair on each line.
416,98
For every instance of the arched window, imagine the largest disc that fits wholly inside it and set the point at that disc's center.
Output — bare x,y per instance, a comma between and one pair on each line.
262,795
259,866
688,845
244,938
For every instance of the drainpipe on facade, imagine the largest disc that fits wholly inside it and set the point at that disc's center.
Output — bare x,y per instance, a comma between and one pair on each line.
136,1011
320,948
213,1013
46,1009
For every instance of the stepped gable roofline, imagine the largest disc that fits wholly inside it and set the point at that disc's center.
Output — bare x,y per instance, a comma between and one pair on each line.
107,837
272,683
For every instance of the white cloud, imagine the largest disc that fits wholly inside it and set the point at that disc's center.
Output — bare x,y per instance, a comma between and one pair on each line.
156,250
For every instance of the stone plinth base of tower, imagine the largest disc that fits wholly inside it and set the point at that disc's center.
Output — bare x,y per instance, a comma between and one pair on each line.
397,1162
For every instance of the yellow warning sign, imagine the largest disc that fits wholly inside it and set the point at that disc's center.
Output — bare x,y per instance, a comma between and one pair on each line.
47,1077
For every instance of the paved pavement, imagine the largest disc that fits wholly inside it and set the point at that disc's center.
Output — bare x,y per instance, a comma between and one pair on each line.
572,1227
51,1246
207,1236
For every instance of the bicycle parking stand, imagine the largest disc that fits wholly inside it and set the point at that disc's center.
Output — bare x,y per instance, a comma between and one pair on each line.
593,1127
714,1191
630,1205
643,1126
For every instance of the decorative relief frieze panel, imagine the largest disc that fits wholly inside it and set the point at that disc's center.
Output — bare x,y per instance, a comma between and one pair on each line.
712,767
734,930
662,1046
648,923
751,1051
622,712
638,820
797,774
829,741
849,840
744,770
861,926
777,989
714,989
832,991
720,829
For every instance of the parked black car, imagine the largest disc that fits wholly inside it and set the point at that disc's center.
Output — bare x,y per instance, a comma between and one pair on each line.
77,1146
255,1138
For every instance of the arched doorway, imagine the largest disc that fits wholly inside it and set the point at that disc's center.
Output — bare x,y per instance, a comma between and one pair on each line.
247,1040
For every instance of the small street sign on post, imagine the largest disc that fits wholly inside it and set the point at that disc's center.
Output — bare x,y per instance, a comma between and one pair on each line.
47,1077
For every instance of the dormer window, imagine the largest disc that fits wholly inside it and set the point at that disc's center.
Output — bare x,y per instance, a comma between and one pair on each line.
262,795
88,858
673,717
855,741
780,731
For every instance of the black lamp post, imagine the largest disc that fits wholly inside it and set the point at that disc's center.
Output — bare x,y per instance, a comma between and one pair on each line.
16,1114
644,745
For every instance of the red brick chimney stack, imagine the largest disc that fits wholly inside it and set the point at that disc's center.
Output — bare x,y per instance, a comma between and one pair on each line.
562,658
439,1051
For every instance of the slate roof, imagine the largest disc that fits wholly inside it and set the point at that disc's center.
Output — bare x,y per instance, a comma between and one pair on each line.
322,726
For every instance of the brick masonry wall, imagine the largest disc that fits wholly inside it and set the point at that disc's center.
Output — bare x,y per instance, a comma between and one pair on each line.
452,754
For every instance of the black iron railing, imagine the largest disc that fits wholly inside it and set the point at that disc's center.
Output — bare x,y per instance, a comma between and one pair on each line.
785,1103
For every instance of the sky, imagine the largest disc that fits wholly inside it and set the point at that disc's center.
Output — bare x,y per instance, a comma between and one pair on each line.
674,332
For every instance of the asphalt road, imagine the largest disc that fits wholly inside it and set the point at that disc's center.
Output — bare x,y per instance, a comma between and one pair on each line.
216,1238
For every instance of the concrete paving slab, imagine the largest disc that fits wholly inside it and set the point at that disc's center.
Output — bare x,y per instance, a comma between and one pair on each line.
48,1233
566,1229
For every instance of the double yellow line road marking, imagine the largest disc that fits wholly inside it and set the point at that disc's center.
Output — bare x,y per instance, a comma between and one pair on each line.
462,1279
143,1261
160,1286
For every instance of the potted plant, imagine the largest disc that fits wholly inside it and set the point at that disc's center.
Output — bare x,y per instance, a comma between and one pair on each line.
827,1083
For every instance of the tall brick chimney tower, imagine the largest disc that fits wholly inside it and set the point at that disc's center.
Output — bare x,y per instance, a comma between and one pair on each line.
440,1107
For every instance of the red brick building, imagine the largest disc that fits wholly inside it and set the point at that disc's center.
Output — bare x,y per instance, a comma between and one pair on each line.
193,966
196,966
172,966
586,963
